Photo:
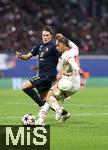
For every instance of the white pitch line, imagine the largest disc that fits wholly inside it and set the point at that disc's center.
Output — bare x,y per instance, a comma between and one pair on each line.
82,114
9,117
9,103
85,105
66,104
90,114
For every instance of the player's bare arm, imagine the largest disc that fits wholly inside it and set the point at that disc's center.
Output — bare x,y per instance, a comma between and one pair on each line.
23,56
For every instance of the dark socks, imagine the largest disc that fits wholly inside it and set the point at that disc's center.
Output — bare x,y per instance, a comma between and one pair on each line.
33,94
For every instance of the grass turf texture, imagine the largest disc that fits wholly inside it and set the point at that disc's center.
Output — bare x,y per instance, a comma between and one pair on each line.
87,129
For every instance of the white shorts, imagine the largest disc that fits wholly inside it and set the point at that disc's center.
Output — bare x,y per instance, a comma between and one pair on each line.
66,86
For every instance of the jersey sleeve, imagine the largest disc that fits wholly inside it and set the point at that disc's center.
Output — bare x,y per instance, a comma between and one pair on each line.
73,46
35,50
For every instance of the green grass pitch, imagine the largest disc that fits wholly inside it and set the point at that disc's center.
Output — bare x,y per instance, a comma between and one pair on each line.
86,129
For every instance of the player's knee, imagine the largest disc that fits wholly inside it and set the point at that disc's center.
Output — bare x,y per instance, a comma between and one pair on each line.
26,85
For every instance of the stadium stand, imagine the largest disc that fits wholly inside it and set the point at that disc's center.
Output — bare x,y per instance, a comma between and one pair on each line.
83,21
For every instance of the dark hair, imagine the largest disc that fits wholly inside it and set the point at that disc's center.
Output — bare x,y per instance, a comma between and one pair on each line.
49,29
63,40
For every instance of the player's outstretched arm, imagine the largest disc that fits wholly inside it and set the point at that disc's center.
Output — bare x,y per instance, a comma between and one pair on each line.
23,56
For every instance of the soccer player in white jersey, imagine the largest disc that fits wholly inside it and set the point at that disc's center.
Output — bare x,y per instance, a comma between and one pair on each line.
68,79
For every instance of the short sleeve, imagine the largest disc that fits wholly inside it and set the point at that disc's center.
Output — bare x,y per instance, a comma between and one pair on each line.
35,50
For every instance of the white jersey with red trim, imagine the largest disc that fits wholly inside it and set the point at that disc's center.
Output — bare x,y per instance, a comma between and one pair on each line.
68,63
69,60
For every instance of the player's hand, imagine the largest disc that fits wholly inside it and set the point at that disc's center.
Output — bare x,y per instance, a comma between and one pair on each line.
18,54
59,35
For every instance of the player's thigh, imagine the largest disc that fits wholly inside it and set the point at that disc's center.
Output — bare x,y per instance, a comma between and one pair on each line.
41,83
65,84
69,85
63,88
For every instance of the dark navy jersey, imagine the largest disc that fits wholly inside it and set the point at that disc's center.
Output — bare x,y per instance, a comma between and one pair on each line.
47,57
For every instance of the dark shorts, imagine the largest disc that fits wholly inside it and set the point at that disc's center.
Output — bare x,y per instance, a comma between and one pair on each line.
42,82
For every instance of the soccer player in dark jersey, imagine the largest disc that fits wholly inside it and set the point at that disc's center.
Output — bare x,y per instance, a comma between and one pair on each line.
48,59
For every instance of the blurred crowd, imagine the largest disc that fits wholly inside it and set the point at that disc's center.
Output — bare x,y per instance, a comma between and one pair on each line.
83,21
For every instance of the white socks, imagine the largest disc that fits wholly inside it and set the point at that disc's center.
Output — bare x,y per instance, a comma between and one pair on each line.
52,102
44,110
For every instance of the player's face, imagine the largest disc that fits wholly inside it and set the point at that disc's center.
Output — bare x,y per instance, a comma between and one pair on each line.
46,36
60,47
